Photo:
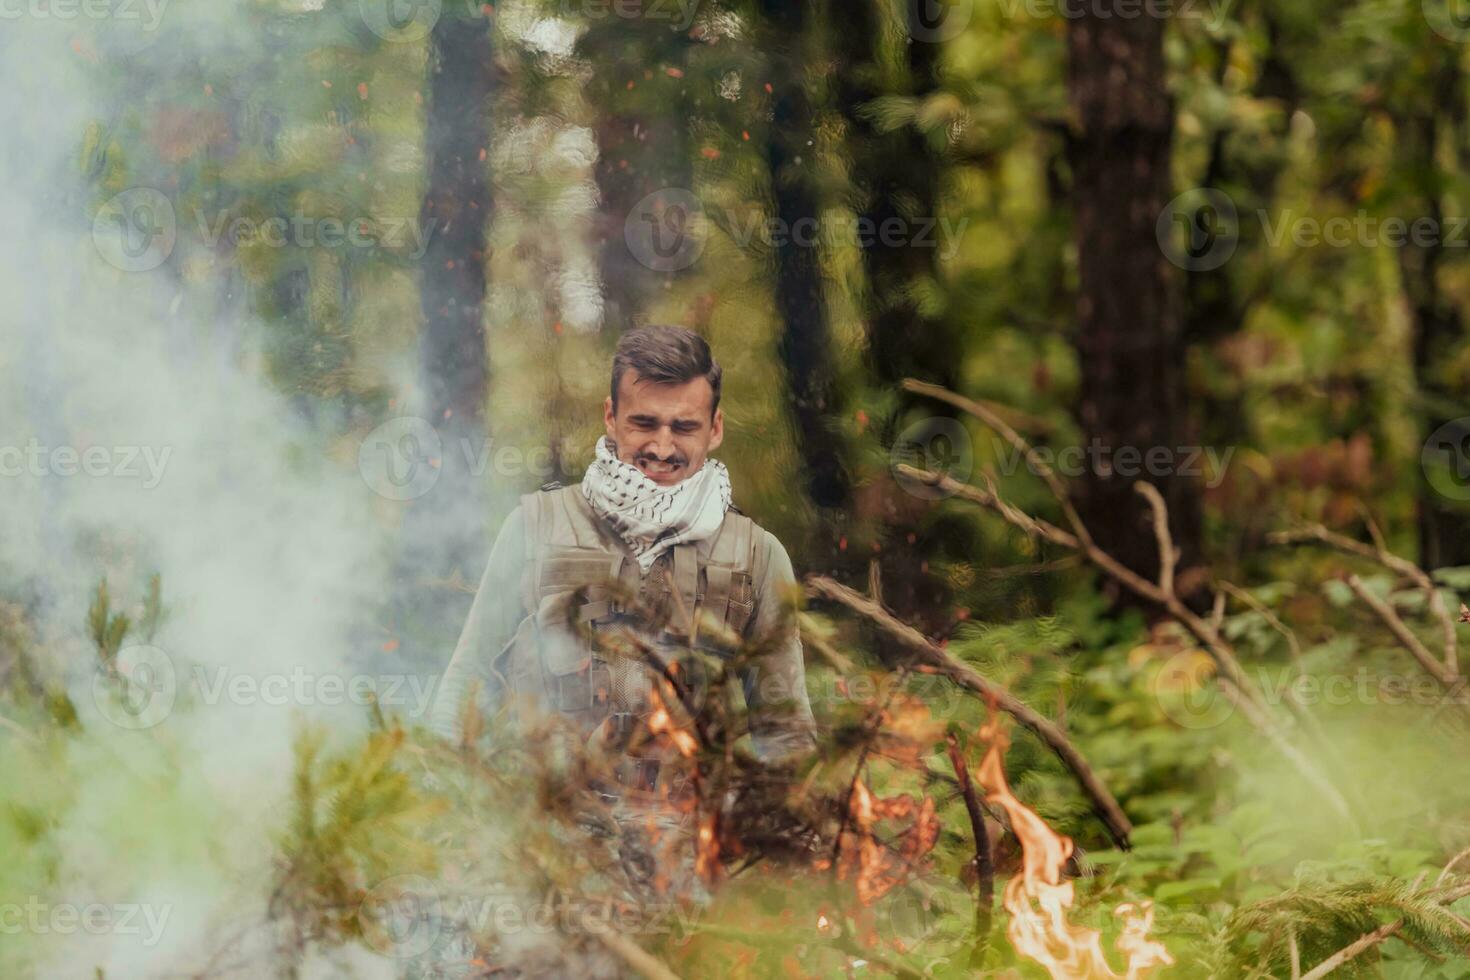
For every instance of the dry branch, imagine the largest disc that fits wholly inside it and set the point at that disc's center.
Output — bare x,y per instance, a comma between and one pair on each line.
1106,807
1229,672
984,862
1378,552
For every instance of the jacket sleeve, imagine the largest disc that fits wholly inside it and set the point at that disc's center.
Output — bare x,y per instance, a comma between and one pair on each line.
492,621
781,723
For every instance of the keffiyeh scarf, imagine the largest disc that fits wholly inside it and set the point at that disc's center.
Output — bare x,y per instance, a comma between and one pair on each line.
652,518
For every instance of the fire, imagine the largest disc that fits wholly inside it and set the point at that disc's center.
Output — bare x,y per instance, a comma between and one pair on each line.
874,868
1038,899
707,849
660,722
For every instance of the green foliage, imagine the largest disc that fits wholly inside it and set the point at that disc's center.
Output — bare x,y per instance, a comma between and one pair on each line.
107,629
355,821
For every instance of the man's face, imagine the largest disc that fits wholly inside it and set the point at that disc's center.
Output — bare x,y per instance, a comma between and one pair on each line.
666,430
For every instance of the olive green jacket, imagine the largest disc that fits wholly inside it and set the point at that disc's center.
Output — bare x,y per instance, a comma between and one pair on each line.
774,685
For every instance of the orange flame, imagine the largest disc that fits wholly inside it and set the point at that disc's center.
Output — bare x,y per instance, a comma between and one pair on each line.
660,722
1038,899
874,868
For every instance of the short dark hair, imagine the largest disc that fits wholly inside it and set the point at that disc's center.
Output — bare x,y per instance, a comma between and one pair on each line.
665,354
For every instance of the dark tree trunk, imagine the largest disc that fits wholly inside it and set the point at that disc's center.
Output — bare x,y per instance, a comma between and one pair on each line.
1128,341
805,344
1217,301
643,146
1444,518
896,177
457,206
444,535
898,174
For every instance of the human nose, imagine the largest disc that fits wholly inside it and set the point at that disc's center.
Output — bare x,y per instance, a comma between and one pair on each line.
663,442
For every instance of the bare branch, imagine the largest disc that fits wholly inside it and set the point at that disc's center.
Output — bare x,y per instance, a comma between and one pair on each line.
1168,554
1401,632
1038,465
635,957
964,675
1318,533
984,863
1370,939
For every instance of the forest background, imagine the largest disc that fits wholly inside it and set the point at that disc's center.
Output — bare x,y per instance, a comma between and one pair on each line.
300,296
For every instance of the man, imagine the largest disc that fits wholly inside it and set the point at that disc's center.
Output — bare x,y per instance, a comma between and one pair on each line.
653,513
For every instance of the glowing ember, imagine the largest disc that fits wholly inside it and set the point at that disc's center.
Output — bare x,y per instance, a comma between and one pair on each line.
1038,899
661,723
875,868
707,849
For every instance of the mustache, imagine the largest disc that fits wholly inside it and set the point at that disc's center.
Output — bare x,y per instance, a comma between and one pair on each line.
677,459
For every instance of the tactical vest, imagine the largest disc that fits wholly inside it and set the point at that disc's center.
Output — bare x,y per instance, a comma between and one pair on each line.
555,660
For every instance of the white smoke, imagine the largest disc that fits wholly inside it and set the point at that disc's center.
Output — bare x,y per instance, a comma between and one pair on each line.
136,436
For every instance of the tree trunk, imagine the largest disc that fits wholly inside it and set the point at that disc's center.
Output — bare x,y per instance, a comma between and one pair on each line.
805,344
896,177
1444,518
643,146
1128,343
457,206
444,535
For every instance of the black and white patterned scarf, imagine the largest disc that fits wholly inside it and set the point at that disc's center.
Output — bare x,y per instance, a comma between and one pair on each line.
652,518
